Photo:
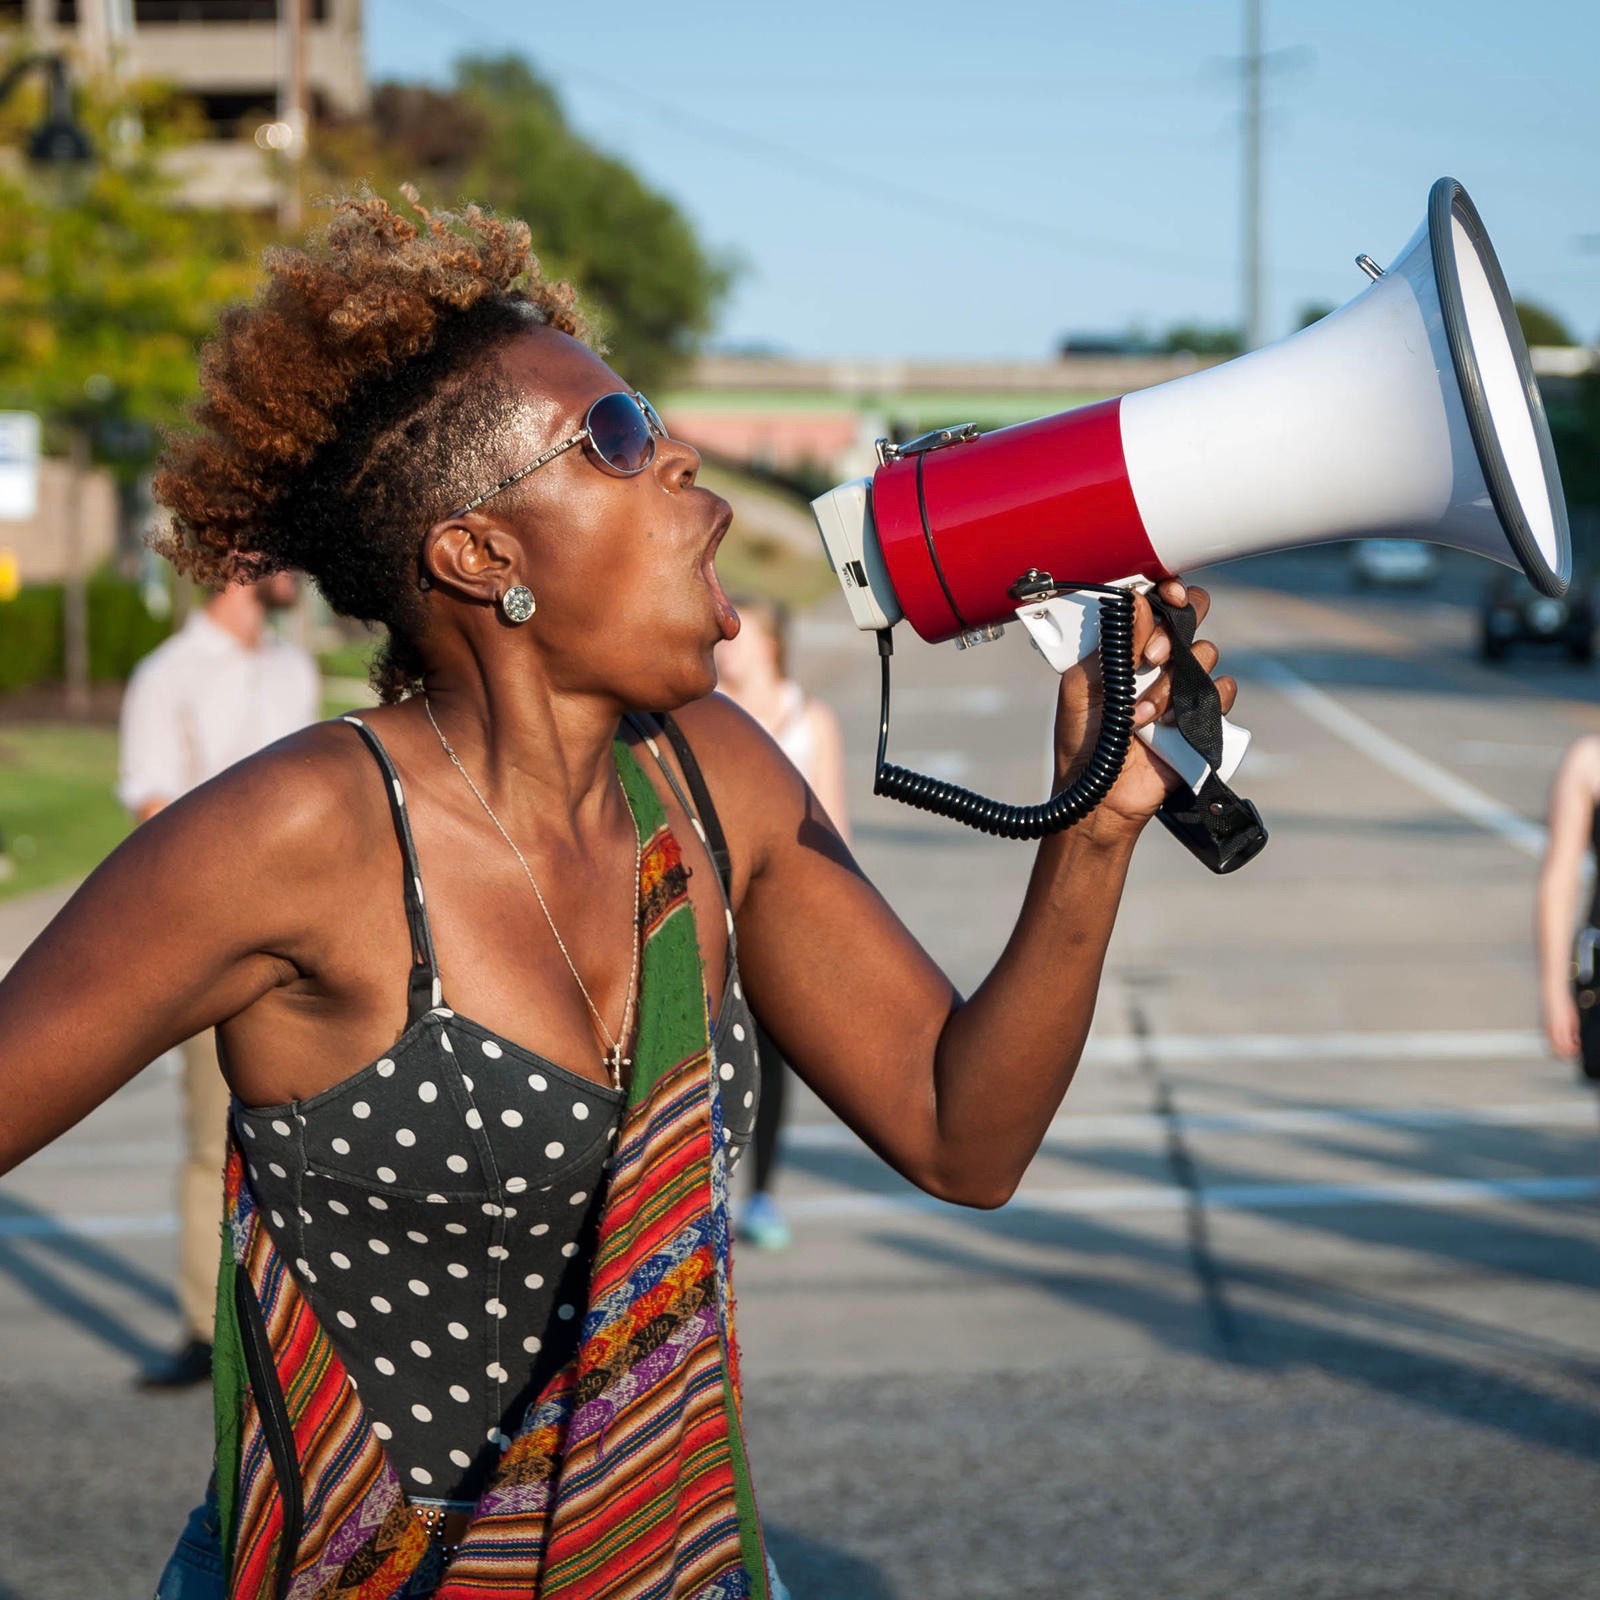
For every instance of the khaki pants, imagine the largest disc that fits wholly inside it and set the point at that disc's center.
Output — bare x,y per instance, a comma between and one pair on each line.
205,1116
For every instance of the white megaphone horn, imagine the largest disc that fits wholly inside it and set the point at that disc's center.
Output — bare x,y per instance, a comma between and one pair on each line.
1411,412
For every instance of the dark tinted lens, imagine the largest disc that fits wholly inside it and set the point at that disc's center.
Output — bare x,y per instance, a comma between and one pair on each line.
619,433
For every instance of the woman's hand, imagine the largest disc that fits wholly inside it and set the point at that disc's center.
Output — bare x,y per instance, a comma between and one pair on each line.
1144,781
1561,1023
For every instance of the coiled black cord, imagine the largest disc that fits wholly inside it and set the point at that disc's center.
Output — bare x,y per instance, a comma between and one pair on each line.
1084,793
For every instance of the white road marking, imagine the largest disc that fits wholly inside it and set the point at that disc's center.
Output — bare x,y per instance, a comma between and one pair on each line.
1400,759
1437,1192
152,1225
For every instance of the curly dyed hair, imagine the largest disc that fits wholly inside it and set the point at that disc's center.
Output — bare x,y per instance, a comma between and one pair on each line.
342,407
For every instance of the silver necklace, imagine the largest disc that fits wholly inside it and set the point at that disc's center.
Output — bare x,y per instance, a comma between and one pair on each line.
615,1061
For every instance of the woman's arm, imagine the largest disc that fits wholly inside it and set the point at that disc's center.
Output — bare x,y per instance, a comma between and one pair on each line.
1573,793
184,925
955,1094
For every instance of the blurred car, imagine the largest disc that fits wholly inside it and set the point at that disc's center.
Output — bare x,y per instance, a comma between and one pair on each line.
1401,563
1514,612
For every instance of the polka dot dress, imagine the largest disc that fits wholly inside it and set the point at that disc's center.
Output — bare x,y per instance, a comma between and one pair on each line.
440,1210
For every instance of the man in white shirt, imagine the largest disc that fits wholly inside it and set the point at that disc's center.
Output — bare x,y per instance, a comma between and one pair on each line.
220,689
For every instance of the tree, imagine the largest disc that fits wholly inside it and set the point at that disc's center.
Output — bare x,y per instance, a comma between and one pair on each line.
1540,326
499,135
1313,313
1202,339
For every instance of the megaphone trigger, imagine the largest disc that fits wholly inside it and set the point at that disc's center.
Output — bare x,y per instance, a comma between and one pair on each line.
1065,628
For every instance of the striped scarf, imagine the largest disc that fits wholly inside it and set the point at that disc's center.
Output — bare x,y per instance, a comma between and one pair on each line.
628,1475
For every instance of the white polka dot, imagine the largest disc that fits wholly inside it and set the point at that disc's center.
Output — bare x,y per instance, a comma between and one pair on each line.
436,1200
377,1202
536,1081
340,1259
498,1252
473,1118
738,1032
495,1436
495,1308
459,1394
427,1092
339,1208
497,1372
276,1170
361,1109
385,1068
539,1229
490,1209
726,1135
749,1098
341,1147
725,1071
580,1111
533,1344
385,1366
569,1250
455,1227
492,1050
377,1247
467,1081
345,1318
516,1185
417,1286
533,1281
280,1127
728,915
305,1216
456,1270
555,1150
305,1268
457,1330
380,1304
383,1431
511,1117
249,1132
566,1313
444,1039
415,1237
442,1011
386,1175
511,1211
738,993
420,1474
404,1136
418,1348
578,1198
461,1458
277,1218
456,1163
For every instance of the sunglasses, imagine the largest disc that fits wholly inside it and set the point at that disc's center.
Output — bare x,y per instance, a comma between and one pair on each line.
620,428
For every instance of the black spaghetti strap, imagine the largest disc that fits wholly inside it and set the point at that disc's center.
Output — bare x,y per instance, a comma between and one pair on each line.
703,810
423,990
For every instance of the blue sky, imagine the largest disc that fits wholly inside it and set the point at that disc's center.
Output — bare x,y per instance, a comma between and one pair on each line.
955,179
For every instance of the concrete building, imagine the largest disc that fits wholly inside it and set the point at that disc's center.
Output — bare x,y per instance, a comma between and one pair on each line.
228,54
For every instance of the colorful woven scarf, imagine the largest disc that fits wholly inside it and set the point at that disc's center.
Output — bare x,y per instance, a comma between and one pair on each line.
628,1475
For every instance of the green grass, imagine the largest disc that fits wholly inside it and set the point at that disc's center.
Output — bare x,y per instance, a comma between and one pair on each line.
58,813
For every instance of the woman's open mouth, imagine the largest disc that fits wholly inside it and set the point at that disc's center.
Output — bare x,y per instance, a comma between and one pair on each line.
727,617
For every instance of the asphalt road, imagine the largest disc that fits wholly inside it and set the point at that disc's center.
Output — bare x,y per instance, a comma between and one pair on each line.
1302,1297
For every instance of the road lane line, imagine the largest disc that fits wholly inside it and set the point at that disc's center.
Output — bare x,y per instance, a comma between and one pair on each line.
152,1225
1400,759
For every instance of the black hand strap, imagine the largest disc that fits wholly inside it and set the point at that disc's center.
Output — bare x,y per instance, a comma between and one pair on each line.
1216,825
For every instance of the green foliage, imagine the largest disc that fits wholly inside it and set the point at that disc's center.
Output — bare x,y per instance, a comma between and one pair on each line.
1202,339
1541,326
1574,413
1314,312
121,633
107,288
500,136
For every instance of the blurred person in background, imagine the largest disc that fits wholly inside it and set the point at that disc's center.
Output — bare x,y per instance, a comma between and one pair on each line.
753,671
221,688
476,975
1569,974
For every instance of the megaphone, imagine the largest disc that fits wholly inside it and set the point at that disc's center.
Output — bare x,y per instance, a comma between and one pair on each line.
1409,413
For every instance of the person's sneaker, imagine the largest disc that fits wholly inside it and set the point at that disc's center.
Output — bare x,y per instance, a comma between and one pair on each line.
182,1370
762,1223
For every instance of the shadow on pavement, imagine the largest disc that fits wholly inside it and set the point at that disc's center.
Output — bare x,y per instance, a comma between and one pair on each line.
25,1260
812,1570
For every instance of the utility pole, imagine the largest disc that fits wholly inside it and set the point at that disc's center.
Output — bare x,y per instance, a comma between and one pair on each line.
292,114
1253,314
